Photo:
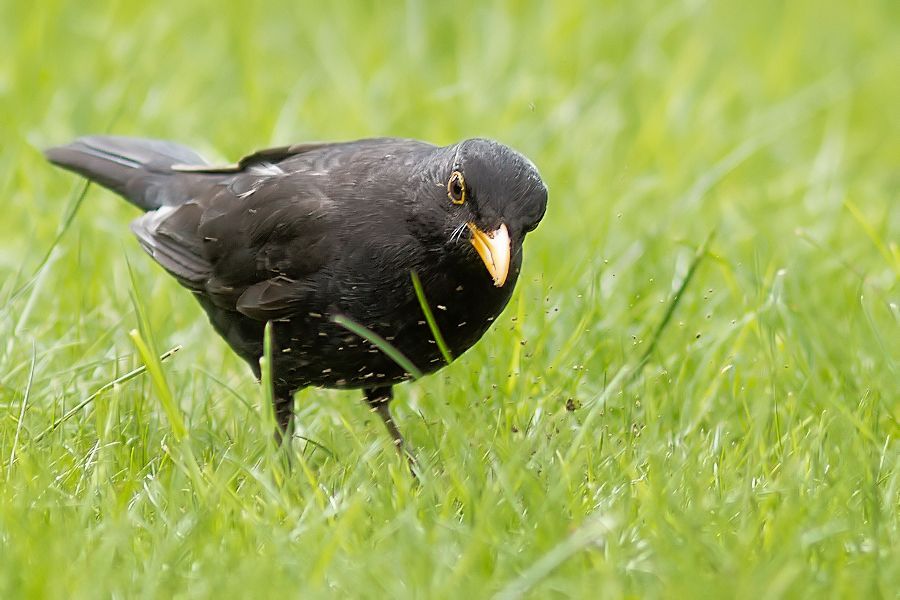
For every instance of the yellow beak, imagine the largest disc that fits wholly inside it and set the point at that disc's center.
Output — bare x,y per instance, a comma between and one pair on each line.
494,249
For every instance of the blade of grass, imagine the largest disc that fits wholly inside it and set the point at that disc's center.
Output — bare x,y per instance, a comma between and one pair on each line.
889,257
596,410
71,210
34,287
381,343
267,410
160,384
142,338
516,360
673,304
25,396
100,391
273,453
143,322
429,317
593,530
182,453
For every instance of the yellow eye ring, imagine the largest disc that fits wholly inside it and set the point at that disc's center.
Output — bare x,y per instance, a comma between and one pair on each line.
456,188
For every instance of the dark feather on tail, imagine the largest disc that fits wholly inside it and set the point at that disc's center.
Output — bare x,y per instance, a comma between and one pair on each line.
140,170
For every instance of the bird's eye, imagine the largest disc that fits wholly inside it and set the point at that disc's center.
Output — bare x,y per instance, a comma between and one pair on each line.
456,188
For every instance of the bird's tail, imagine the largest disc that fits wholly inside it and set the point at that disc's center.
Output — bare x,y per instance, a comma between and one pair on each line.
137,169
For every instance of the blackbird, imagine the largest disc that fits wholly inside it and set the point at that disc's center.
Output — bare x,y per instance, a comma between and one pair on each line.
302,235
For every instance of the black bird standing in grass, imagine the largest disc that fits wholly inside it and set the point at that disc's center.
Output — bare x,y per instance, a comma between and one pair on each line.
300,235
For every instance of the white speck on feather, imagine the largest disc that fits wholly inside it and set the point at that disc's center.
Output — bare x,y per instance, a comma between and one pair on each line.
155,218
268,169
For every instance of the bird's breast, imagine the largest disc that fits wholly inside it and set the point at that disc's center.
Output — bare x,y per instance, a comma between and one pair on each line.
317,350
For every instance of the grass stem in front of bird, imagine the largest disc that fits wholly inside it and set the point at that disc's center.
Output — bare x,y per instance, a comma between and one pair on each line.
381,343
429,317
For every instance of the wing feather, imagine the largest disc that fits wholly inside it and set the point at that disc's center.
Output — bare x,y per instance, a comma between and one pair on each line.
260,236
253,253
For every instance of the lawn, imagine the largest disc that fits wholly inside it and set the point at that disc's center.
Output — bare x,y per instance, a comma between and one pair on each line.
695,391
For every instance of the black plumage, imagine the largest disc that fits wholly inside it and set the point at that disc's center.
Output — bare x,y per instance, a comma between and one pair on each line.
301,234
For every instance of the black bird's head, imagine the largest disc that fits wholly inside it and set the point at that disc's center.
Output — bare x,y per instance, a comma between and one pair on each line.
492,197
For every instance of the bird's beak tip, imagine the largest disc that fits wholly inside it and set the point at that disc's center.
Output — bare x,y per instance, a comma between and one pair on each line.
494,249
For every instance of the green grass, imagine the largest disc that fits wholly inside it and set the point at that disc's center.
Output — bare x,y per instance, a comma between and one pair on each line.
753,454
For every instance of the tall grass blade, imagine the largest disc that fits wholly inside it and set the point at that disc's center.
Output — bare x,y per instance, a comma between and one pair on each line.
381,343
429,317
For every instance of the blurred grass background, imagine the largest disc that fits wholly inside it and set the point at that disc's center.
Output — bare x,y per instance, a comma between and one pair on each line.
753,455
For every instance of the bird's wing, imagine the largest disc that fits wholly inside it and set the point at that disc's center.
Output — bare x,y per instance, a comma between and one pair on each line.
251,243
255,235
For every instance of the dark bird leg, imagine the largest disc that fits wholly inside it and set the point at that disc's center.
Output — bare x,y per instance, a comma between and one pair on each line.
379,399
